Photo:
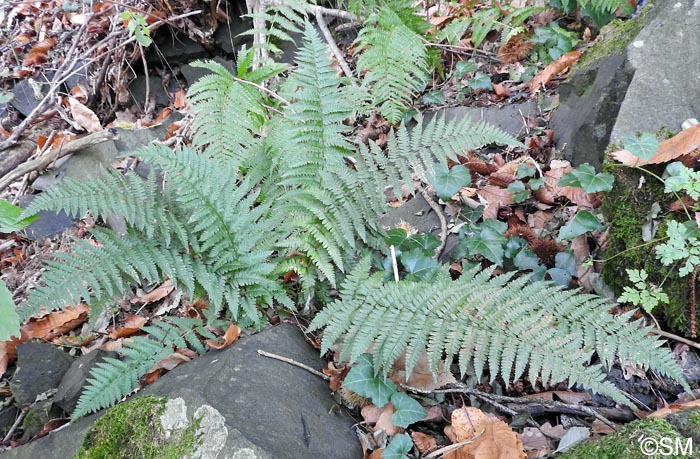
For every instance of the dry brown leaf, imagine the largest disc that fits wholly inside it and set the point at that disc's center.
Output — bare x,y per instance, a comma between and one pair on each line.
601,428
423,442
230,337
515,49
421,377
82,115
500,90
534,439
8,351
384,422
56,323
686,142
552,70
170,362
489,437
37,55
132,325
376,454
557,431
156,294
495,197
370,413
180,100
674,408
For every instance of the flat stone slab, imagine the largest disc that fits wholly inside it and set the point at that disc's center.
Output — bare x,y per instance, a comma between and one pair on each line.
665,89
263,408
40,368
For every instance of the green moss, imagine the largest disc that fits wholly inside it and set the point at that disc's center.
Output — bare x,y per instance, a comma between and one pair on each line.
615,37
625,442
625,209
133,430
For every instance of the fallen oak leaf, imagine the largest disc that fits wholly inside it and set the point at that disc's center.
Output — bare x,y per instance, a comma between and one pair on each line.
132,325
56,323
82,115
230,337
423,442
683,144
489,437
37,55
156,294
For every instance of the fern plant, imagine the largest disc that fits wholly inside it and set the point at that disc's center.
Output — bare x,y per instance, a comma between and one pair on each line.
497,323
289,190
112,379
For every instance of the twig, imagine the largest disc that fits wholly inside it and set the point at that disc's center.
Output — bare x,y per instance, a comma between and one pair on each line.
443,222
680,339
348,16
394,264
273,94
462,389
453,447
295,363
147,97
334,47
45,160
506,410
18,421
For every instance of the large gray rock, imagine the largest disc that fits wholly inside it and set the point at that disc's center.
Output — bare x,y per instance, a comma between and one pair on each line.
40,368
641,75
262,408
74,379
665,89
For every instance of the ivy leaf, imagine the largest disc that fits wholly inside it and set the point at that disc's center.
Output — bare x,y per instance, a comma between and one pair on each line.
362,380
643,146
526,259
464,67
407,411
399,447
480,81
435,97
396,237
426,242
535,184
488,242
525,170
585,177
566,261
560,276
418,264
520,193
447,182
582,222
9,320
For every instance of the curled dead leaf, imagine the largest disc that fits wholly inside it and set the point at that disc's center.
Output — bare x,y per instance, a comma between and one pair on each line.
230,337
82,115
552,70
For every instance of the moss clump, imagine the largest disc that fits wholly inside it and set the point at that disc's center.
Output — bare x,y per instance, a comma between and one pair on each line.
615,37
625,209
625,442
133,430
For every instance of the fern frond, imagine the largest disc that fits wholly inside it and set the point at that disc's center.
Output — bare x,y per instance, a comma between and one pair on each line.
113,379
280,19
395,62
228,115
602,6
497,323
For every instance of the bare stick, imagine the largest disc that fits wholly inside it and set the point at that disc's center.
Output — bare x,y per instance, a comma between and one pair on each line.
394,264
295,363
443,222
45,160
18,421
680,339
462,389
334,47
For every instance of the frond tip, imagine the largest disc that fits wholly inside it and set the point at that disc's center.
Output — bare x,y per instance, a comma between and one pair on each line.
508,326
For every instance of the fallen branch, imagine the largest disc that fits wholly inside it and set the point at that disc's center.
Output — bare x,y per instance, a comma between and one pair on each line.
295,363
334,47
680,339
567,407
52,155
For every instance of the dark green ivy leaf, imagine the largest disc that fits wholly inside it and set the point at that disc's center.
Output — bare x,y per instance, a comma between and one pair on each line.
582,222
481,80
520,193
399,447
407,410
584,176
362,380
448,182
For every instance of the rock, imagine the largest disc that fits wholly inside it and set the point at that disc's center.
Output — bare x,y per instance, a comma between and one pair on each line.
48,225
175,48
162,96
227,37
40,368
665,89
688,424
247,405
192,74
508,117
8,415
74,380
637,77
29,92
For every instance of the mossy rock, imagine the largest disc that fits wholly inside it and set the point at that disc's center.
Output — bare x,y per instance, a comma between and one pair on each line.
625,209
615,37
626,442
133,430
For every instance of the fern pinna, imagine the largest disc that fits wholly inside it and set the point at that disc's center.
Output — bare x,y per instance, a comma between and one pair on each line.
497,323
